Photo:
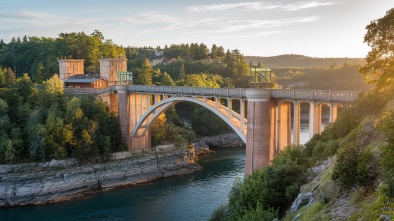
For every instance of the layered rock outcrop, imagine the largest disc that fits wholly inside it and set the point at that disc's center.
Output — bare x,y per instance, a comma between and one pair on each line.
40,183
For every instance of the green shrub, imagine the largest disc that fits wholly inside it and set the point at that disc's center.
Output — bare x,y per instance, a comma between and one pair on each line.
345,168
387,164
355,167
272,187
367,169
259,214
220,214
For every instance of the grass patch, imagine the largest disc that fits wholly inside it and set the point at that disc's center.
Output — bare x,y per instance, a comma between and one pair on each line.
371,206
316,211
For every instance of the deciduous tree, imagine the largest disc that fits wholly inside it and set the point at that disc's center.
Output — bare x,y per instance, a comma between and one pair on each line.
380,60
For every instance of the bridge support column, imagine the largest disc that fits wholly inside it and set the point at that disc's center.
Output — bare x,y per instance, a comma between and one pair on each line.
296,124
333,112
229,108
124,115
311,119
113,100
318,116
260,130
284,124
242,113
139,104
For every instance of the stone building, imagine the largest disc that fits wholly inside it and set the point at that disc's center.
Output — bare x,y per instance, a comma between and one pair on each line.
70,67
109,68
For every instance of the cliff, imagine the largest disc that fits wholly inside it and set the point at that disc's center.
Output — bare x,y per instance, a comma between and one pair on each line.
39,183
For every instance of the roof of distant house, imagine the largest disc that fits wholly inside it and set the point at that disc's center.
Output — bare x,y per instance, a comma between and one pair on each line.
83,78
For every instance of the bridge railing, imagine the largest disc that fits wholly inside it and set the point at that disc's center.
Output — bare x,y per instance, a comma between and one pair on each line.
328,95
87,91
224,92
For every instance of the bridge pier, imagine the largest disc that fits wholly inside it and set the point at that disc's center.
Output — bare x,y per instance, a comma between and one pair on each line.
140,103
260,129
284,126
131,106
296,124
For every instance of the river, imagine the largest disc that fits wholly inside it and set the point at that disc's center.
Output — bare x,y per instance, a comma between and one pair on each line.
189,197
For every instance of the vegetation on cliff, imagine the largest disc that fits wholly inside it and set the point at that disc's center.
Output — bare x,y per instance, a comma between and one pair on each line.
361,140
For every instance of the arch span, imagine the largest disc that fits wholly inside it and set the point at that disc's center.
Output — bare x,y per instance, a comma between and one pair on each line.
154,111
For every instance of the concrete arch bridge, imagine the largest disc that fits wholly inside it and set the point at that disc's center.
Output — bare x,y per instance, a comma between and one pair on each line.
266,131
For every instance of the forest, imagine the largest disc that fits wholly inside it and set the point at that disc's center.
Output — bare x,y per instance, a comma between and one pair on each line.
40,122
302,61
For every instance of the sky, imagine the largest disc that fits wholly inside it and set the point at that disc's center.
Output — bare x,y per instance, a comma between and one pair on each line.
316,28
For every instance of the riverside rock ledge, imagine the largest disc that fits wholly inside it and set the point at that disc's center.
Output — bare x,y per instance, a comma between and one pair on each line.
41,183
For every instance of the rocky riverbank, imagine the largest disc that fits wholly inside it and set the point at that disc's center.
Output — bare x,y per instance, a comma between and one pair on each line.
224,140
40,183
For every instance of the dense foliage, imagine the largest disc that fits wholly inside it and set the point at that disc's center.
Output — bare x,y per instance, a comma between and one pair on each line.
301,61
380,66
39,56
41,124
344,77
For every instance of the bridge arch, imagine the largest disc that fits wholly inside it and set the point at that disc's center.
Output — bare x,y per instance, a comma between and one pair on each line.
154,111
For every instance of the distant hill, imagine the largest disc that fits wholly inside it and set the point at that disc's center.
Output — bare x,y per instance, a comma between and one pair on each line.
293,60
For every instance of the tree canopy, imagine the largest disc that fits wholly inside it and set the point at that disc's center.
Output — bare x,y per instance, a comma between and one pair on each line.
39,56
380,60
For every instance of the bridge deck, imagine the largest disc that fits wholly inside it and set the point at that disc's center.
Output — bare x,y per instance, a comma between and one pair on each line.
282,94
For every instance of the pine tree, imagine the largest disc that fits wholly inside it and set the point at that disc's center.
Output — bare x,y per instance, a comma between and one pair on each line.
10,77
182,74
145,76
167,80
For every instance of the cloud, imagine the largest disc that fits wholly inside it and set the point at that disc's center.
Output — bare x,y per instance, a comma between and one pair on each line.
258,6
37,22
251,35
227,26
146,18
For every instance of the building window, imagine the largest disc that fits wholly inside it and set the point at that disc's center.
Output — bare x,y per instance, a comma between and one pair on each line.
125,78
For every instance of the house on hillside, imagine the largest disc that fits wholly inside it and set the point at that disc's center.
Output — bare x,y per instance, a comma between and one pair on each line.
159,53
86,81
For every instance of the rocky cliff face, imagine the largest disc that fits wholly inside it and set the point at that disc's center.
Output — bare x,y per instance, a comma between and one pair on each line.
225,140
60,180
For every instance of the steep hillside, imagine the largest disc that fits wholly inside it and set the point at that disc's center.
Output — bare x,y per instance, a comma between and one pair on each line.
341,77
357,182
293,60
